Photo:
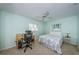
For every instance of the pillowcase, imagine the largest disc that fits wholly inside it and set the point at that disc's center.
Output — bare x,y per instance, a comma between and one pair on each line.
56,30
59,34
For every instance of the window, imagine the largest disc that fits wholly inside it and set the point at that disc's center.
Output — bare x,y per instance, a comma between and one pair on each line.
33,27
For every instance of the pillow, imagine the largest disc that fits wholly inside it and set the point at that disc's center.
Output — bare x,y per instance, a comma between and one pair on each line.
56,30
58,34
51,32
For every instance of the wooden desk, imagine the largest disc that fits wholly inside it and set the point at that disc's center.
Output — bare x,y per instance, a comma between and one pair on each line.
20,37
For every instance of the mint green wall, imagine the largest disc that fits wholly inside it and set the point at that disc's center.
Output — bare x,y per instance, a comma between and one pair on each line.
44,28
0,30
78,30
12,24
67,25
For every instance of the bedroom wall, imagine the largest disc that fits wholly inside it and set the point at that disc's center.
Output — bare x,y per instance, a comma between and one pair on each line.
12,24
68,24
44,28
78,30
0,30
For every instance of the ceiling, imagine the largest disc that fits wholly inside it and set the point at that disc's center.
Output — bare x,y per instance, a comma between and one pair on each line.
36,10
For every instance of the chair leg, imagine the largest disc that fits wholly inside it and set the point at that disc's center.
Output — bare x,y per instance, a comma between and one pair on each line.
30,47
25,48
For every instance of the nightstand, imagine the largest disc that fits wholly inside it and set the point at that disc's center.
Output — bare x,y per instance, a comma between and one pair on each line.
67,40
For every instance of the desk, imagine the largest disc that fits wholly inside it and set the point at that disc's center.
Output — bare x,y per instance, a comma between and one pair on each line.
20,37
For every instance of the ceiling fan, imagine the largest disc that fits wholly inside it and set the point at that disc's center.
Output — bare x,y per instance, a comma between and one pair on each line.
44,16
75,3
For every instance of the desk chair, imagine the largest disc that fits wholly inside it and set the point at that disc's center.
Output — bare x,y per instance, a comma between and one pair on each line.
27,40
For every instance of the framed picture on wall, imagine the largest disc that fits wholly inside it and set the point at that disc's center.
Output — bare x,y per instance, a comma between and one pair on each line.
57,26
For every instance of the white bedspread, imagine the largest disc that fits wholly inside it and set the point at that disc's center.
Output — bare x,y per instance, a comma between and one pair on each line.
52,41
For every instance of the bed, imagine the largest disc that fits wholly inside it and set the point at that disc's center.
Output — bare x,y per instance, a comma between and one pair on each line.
53,40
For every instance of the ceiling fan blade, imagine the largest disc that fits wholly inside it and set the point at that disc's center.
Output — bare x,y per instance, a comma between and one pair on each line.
75,3
49,17
45,15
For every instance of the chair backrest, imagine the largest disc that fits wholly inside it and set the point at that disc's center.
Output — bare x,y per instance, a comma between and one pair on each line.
28,35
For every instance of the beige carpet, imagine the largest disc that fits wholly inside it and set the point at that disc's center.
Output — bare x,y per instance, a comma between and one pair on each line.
39,49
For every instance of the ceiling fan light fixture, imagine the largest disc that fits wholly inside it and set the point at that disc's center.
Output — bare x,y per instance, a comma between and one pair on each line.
46,14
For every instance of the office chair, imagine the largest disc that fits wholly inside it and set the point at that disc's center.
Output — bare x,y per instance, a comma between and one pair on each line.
27,40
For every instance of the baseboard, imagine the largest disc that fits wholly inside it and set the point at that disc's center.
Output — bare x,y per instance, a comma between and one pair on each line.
7,48
78,47
71,44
